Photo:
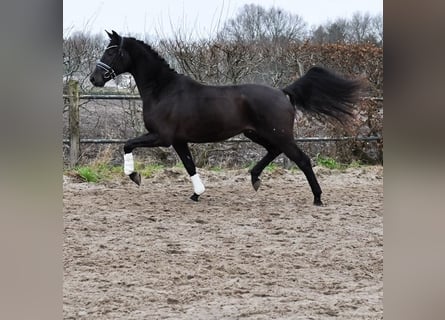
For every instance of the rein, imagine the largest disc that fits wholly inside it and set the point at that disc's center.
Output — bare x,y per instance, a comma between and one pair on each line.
109,71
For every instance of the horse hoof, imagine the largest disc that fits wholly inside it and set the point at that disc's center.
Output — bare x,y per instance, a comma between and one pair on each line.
135,177
317,202
194,197
256,185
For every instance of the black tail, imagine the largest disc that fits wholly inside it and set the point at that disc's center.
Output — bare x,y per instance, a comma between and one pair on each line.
324,93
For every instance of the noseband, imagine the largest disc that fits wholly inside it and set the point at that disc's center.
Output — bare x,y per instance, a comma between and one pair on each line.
109,71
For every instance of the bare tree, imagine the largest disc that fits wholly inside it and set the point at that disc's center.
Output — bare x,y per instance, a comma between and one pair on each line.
319,35
360,28
254,23
337,31
80,52
377,28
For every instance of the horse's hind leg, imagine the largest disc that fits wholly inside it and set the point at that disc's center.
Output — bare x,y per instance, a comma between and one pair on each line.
259,167
271,154
294,153
184,153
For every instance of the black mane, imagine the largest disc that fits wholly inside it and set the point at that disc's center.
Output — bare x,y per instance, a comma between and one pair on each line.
149,49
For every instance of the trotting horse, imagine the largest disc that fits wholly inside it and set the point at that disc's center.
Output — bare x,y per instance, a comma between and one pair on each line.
178,110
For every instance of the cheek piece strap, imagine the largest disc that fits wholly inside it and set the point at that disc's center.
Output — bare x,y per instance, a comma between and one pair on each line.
109,71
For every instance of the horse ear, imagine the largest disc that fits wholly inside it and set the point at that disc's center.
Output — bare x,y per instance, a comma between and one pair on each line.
115,34
109,34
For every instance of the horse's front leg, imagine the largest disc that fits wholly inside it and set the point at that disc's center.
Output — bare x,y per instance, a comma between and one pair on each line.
148,140
184,153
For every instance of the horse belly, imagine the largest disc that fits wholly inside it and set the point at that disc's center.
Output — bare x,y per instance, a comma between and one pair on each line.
212,132
213,127
214,117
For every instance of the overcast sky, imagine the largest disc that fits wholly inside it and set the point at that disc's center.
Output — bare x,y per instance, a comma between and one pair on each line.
202,18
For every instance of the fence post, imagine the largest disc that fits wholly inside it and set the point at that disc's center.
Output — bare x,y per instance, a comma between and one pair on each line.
73,92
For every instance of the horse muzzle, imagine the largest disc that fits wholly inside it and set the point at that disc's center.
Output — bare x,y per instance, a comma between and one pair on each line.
102,74
97,78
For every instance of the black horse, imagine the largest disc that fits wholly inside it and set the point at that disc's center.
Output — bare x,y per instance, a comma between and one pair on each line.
178,110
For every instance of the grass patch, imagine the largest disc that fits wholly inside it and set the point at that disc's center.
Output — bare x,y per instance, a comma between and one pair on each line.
87,174
272,167
149,170
96,172
328,162
250,165
355,164
216,169
102,171
179,165
331,163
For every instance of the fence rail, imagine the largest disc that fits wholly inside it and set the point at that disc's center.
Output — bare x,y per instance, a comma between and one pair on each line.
138,97
108,97
74,140
306,139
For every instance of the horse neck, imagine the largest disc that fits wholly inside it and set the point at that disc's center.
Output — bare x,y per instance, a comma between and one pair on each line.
151,73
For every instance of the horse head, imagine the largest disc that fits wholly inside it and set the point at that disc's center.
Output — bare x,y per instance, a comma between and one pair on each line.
115,60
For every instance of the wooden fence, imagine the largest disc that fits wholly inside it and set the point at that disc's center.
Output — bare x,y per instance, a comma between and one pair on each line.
75,142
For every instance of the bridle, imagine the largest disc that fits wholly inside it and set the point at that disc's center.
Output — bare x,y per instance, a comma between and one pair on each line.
109,71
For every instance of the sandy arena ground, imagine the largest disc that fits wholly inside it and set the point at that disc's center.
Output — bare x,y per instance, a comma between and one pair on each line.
151,253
